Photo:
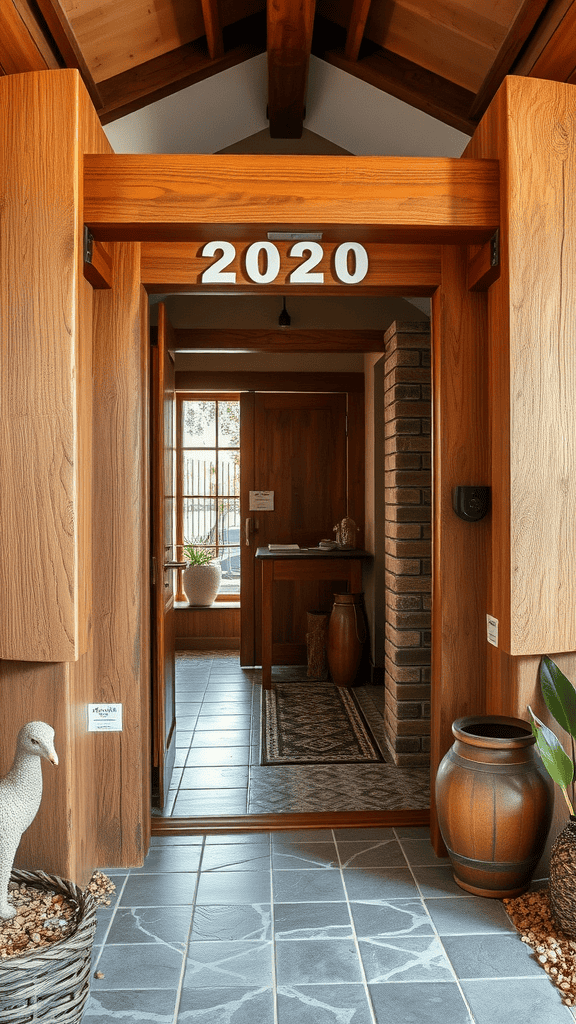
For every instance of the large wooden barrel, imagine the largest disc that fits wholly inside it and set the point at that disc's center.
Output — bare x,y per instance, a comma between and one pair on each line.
346,638
494,803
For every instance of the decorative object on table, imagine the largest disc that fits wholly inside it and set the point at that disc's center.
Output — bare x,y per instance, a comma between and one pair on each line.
347,634
560,699
202,576
348,530
20,796
328,545
316,638
494,805
307,722
51,984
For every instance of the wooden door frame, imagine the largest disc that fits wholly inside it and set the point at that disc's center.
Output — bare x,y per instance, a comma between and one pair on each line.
437,242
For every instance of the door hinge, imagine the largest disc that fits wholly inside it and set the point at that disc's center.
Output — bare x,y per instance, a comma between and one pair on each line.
495,249
153,571
88,245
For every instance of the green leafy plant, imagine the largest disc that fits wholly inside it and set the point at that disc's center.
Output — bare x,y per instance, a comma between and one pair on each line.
197,556
560,699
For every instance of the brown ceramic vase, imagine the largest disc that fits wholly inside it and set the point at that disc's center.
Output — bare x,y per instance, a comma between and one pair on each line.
494,803
346,637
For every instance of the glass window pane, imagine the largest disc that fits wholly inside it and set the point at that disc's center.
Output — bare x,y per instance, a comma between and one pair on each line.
198,472
200,521
230,562
229,521
229,473
228,424
199,424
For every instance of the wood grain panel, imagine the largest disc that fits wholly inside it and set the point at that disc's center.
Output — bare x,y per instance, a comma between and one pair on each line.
356,462
46,421
121,586
18,50
289,35
288,822
281,340
213,28
557,60
245,380
482,271
461,455
356,26
393,269
518,31
67,43
183,197
209,622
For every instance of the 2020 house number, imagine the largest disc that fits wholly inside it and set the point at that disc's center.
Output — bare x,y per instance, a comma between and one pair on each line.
262,263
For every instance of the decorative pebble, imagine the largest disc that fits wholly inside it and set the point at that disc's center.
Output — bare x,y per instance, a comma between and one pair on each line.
554,950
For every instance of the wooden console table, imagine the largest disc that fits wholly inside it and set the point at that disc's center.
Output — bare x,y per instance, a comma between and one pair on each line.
305,564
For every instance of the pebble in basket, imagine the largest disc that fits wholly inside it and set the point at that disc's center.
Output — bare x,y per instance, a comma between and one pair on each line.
560,699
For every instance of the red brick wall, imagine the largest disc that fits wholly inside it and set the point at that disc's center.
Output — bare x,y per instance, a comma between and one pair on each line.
407,475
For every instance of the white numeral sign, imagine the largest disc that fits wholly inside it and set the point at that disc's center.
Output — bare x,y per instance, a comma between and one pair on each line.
262,262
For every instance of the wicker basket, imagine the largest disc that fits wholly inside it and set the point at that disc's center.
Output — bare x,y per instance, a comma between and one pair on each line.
563,879
50,985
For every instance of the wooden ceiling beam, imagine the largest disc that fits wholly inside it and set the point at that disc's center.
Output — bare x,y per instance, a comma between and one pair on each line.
541,36
186,197
518,32
65,39
213,27
557,61
356,26
191,339
289,24
178,69
18,50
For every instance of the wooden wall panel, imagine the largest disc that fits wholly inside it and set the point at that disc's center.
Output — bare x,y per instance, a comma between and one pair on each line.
461,455
121,585
530,129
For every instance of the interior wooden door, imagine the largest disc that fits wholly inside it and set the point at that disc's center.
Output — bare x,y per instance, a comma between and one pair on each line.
293,444
163,538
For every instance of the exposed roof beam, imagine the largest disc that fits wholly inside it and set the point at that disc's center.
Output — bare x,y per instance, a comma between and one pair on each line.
557,60
213,27
67,44
281,340
290,25
518,32
18,51
356,26
541,36
178,69
399,77
184,197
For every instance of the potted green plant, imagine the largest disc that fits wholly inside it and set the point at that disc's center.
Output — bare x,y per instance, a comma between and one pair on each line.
560,698
202,576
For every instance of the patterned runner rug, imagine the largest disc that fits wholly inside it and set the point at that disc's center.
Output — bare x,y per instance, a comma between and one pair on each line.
314,723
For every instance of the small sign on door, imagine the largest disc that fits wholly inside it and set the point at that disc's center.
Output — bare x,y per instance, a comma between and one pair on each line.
261,501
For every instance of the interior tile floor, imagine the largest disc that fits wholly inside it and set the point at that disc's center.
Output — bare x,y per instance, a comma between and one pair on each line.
354,926
217,769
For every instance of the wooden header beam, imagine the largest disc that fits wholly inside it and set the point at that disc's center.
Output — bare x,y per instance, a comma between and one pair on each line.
388,199
192,339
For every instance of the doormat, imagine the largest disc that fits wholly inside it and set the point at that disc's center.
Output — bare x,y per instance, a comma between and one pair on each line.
314,723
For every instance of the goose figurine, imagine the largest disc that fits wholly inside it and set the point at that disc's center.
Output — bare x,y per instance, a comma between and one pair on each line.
20,795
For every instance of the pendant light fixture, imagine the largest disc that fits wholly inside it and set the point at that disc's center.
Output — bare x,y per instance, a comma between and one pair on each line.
284,319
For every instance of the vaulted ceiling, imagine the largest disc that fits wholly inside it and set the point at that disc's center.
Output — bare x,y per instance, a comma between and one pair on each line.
444,57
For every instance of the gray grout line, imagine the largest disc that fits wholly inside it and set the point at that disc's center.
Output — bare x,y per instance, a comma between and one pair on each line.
273,933
436,932
354,934
187,943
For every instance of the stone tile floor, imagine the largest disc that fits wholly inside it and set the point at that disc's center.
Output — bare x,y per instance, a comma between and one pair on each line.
217,769
353,926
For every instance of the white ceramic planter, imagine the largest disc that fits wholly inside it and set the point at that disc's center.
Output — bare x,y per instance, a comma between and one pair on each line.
202,583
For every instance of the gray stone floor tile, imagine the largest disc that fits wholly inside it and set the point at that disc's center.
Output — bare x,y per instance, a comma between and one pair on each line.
391,917
221,887
132,1007
222,722
527,1001
251,838
170,858
201,756
490,956
228,964
371,853
172,889
199,803
404,958
412,832
214,777
139,967
377,884
184,737
284,840
215,703
307,886
438,881
165,925
177,841
468,917
323,1004
227,1006
317,962
103,919
311,921
250,922
421,852
304,856
232,738
186,720
359,835
420,1003
236,857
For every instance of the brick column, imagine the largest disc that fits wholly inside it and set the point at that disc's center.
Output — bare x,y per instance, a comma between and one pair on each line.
407,412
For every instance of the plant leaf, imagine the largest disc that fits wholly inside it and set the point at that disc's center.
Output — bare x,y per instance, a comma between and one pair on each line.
556,761
559,695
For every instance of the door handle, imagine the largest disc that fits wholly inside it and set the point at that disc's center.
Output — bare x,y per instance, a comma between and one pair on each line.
175,565
248,529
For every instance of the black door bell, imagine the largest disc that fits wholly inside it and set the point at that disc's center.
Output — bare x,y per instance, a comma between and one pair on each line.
471,503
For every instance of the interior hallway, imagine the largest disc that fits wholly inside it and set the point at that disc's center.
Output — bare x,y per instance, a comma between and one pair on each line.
355,926
218,771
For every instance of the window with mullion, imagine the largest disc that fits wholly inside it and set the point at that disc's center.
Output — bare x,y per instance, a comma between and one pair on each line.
209,480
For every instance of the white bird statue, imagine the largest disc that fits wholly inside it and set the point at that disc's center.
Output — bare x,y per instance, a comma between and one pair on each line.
20,795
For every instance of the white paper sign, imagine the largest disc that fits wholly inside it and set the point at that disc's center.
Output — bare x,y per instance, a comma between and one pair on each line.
104,718
261,501
492,630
